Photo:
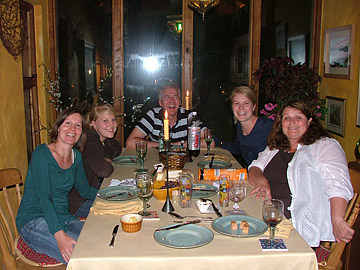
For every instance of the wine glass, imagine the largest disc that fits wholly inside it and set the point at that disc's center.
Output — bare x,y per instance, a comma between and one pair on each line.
145,187
272,212
208,137
141,150
237,193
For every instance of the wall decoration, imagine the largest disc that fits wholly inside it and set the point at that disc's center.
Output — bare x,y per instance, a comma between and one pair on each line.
339,44
296,49
335,118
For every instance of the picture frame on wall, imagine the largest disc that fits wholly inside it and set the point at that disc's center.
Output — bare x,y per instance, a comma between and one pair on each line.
336,115
339,44
297,48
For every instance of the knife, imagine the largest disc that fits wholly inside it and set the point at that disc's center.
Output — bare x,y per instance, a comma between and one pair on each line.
115,230
211,162
217,212
178,225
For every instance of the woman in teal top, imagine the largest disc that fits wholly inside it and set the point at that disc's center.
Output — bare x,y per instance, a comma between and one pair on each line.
43,219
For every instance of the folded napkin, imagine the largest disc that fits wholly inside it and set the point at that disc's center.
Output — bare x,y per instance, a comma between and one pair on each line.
127,182
283,229
107,208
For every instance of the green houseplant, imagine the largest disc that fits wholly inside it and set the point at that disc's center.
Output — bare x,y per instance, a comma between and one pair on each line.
281,80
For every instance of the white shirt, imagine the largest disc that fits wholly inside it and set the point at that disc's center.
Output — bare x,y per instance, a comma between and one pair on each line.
316,173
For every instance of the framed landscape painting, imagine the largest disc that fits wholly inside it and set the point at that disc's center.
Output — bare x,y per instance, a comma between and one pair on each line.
339,46
336,115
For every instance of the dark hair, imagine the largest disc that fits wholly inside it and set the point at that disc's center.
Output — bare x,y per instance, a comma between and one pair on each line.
80,144
278,140
167,86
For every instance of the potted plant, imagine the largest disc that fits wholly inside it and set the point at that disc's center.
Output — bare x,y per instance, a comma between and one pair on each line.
282,81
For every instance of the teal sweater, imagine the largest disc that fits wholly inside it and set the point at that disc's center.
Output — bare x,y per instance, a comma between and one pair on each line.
47,187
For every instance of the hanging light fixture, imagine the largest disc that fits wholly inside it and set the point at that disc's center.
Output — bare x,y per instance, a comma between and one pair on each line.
202,6
174,23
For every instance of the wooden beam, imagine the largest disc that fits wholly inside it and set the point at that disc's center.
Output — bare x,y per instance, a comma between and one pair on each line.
118,65
187,52
316,35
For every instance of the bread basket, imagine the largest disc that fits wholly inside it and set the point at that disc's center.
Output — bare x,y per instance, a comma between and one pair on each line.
176,159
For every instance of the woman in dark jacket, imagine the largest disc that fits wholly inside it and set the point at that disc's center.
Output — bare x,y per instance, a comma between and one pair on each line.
100,149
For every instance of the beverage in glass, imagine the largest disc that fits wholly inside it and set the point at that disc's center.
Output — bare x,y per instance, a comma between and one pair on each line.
141,150
237,192
208,137
224,191
144,184
185,185
272,212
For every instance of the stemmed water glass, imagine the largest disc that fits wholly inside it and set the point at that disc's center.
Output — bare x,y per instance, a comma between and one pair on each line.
208,137
237,193
141,150
145,188
272,212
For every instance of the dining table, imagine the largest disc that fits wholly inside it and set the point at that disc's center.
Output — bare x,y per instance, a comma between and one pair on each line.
139,250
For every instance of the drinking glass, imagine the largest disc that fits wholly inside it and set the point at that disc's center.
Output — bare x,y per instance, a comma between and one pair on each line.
272,212
141,150
237,193
145,188
208,137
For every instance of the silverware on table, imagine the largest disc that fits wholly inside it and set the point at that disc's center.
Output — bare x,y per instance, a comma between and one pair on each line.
211,162
178,225
173,214
115,230
203,220
217,212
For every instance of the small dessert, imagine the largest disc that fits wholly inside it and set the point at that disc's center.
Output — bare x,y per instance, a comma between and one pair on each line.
244,225
133,219
233,225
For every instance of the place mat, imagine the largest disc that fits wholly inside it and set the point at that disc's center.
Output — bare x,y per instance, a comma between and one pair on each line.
107,208
283,229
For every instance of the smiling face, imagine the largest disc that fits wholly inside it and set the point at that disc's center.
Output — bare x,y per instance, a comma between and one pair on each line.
105,125
242,108
294,125
170,101
70,130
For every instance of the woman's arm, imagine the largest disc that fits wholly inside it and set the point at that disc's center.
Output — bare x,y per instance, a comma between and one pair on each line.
65,244
341,229
260,183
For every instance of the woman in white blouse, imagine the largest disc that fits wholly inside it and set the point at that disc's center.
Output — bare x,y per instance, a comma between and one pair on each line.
307,169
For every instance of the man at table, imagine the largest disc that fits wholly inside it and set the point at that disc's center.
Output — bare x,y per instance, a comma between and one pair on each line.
152,123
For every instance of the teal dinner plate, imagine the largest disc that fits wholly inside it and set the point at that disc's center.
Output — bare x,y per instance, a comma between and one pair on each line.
217,164
223,225
125,193
126,160
188,236
203,191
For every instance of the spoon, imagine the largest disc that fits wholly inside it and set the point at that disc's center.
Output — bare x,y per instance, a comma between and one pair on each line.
173,214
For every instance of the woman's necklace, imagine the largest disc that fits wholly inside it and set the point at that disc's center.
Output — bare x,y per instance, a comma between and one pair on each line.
291,150
64,158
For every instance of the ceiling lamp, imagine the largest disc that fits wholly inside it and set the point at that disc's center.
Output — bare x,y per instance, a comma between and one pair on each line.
174,23
202,6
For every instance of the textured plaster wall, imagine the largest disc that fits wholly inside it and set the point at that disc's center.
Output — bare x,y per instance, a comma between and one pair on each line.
336,13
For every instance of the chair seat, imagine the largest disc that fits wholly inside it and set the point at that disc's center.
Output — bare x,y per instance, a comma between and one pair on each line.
31,257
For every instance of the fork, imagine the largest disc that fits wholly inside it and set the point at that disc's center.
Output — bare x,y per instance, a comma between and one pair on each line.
173,214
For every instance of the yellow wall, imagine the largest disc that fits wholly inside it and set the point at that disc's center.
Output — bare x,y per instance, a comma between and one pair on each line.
338,13
12,115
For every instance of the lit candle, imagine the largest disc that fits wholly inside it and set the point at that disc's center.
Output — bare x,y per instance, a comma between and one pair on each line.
187,100
166,127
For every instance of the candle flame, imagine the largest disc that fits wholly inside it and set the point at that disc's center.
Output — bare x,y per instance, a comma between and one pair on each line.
187,93
166,115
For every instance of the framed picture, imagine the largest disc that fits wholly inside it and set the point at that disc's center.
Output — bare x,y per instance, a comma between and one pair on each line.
297,49
339,44
336,115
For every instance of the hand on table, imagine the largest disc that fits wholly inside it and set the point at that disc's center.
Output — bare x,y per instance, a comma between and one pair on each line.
262,189
65,244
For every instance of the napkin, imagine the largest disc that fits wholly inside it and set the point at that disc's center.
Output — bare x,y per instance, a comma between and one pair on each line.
107,208
283,229
127,182
173,174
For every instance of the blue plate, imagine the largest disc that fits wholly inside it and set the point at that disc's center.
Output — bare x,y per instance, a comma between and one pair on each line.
203,191
217,164
222,225
125,193
189,236
126,160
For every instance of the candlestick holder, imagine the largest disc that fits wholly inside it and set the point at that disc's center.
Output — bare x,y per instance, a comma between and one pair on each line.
168,205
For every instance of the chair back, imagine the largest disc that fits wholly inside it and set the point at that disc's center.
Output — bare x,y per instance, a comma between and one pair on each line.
334,259
10,181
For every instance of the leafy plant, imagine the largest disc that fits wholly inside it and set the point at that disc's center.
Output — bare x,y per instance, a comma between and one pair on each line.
282,81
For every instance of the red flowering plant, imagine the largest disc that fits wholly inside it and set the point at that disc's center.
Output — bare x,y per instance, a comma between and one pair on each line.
281,81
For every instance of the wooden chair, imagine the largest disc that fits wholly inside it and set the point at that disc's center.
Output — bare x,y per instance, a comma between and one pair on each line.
10,195
334,261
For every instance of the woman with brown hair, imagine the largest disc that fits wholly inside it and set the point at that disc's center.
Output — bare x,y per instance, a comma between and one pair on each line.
307,169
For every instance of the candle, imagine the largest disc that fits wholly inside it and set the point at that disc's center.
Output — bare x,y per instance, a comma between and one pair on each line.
166,127
187,100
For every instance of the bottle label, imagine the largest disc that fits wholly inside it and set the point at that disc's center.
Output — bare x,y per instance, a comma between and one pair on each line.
194,138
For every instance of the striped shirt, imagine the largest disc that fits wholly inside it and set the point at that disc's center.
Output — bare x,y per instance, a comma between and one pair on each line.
152,124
